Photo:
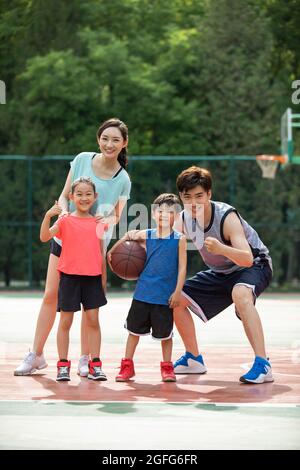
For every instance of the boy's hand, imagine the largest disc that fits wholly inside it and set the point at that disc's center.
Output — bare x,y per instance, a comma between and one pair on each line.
175,298
54,210
213,246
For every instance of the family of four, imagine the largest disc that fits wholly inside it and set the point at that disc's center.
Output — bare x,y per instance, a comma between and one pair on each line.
95,193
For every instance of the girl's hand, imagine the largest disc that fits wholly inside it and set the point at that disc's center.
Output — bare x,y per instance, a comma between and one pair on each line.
104,287
54,210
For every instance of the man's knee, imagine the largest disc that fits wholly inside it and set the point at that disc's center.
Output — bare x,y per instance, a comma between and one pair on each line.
242,297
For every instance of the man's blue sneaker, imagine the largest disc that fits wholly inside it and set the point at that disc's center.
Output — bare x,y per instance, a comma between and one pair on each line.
259,373
190,364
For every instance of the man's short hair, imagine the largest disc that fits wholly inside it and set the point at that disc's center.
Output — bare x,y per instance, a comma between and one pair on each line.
192,177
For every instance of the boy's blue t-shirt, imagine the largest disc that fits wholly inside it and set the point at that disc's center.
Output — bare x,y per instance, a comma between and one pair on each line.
159,278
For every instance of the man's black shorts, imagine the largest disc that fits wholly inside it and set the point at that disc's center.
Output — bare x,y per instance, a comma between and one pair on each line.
210,293
75,290
144,318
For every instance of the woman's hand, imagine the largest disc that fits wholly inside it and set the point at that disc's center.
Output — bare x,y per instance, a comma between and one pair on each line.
64,212
107,221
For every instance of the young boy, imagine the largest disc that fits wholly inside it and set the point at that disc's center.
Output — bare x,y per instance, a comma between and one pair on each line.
158,288
81,267
240,269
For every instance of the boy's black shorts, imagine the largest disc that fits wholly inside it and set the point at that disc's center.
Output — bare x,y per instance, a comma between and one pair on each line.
144,317
75,290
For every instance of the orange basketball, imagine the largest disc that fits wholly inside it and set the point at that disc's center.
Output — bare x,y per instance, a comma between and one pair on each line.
128,260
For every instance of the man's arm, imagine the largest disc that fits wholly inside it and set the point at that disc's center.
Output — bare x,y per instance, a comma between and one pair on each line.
239,252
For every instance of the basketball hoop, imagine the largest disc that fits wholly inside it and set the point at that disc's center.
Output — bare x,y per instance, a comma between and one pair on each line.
269,164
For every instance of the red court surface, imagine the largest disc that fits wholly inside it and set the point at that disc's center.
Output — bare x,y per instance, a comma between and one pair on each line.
219,385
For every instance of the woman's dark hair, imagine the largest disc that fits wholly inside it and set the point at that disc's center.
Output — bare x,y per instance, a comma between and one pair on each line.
115,122
192,177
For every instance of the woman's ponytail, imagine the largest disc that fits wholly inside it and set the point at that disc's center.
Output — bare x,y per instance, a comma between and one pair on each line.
122,158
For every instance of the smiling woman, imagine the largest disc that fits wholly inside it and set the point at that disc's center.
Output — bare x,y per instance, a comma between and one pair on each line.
107,171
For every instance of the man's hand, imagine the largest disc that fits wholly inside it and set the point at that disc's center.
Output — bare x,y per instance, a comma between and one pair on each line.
213,246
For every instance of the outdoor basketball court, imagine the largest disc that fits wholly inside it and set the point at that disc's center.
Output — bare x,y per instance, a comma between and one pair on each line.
212,411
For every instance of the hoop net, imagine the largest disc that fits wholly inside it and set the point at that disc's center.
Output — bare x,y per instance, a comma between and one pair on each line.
269,164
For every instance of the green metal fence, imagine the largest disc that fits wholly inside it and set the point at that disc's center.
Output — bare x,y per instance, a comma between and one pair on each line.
150,174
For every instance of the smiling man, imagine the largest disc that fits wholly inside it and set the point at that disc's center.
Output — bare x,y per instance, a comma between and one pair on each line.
240,269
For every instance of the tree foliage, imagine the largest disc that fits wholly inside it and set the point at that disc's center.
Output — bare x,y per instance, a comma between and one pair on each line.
189,77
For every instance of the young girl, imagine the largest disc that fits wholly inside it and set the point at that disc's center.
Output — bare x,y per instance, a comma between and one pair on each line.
80,266
107,171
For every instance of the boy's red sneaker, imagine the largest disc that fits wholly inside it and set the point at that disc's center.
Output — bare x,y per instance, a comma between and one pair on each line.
126,371
167,372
